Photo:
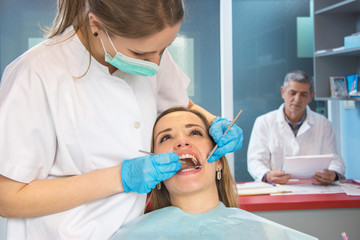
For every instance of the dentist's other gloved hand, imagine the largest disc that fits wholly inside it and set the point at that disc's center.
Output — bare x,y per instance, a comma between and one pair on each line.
143,173
231,142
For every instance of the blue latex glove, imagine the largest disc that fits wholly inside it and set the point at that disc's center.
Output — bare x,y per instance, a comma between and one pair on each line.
143,173
231,142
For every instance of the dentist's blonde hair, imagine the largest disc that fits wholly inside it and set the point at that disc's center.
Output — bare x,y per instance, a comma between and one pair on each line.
131,19
226,186
125,18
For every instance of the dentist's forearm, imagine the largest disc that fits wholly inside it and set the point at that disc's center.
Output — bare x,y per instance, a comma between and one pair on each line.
48,196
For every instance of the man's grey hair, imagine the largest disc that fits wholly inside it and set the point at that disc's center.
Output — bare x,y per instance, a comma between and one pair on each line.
298,76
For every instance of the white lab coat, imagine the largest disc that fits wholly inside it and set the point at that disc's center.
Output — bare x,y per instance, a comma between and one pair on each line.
53,125
272,139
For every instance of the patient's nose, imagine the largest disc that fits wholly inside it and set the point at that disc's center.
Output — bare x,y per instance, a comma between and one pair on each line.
181,143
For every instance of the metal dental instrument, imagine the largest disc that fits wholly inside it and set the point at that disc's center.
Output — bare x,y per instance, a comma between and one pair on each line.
216,146
142,151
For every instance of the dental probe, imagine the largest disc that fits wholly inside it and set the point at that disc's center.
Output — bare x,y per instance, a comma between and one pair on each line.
216,146
142,151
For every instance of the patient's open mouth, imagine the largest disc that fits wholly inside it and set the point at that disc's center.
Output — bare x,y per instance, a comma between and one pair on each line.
190,162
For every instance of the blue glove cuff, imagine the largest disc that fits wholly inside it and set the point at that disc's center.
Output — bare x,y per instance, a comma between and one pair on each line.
216,119
124,171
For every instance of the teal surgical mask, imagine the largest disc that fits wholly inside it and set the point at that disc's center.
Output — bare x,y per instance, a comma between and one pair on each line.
128,64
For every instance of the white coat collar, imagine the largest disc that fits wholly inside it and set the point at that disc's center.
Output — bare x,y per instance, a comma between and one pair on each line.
308,122
80,52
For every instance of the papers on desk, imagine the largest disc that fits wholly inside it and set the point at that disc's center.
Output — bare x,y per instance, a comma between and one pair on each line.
313,188
305,187
305,167
351,189
259,188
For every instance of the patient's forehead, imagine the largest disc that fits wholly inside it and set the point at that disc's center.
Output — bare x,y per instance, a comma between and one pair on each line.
178,119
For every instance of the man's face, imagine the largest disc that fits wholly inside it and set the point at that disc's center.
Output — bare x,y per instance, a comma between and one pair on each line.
296,96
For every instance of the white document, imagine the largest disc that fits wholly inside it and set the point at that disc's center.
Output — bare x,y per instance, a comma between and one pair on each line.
312,188
351,189
259,188
305,167
253,185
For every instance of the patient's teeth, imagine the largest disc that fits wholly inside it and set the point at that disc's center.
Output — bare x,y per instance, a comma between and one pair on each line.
195,161
186,170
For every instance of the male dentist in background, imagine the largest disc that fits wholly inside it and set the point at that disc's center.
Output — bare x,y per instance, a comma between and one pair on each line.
292,130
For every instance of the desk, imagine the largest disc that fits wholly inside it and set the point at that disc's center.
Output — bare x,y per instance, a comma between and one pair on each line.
324,216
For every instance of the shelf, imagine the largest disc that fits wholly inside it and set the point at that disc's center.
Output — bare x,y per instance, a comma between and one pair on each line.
347,6
337,99
345,52
333,21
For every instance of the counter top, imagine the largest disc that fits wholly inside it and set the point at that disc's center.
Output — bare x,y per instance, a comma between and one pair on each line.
295,202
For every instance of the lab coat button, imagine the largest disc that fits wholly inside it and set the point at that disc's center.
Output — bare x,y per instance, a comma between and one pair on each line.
137,125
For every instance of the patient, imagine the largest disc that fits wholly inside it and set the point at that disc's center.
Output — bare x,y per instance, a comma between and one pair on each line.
197,203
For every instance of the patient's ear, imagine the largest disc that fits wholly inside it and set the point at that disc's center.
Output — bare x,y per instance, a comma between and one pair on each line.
219,164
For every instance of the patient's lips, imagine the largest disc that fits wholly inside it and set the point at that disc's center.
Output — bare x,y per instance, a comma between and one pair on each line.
190,162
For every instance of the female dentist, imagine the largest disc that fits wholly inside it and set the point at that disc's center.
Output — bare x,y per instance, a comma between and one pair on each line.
75,110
